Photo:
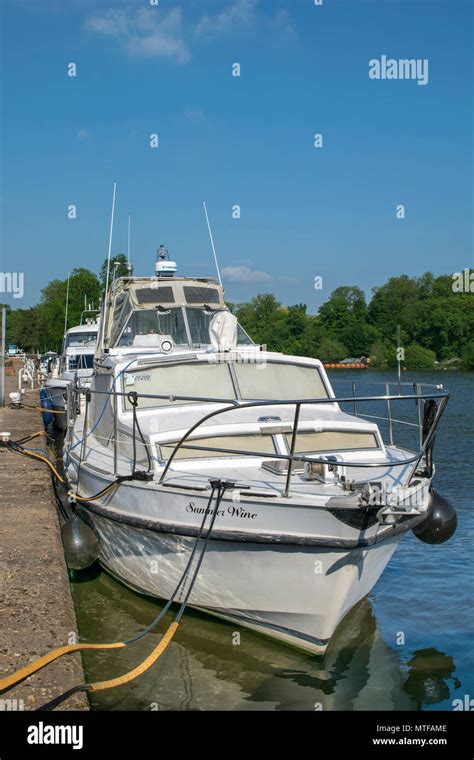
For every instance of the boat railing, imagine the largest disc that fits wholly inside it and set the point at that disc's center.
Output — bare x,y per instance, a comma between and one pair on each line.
418,394
414,387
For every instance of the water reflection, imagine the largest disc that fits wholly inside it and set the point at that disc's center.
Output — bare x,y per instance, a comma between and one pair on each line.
429,677
207,668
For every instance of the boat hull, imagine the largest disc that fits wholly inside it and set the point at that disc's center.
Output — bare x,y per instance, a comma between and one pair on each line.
56,401
297,594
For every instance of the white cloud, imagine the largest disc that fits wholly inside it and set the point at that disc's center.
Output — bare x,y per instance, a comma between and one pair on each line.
150,32
245,275
282,23
246,13
146,33
239,13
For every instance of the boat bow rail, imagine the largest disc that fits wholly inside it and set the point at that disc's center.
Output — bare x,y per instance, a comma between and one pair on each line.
434,398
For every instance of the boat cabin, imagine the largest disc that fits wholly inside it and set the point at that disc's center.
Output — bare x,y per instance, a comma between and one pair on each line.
144,311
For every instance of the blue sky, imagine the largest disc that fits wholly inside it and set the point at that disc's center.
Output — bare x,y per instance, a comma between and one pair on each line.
247,140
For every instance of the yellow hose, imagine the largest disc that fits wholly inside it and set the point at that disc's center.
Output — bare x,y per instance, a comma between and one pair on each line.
147,663
41,409
35,455
106,491
33,667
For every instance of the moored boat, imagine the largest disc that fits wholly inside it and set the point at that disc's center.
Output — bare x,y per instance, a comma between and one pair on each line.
73,365
193,437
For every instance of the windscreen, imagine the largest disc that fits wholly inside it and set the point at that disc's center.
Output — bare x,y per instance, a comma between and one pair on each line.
203,380
81,361
279,381
260,444
146,327
81,339
333,440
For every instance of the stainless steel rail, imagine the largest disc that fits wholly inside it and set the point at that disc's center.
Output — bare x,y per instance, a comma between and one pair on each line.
232,405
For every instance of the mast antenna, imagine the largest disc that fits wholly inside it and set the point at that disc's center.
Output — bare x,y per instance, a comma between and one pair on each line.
112,215
67,304
212,243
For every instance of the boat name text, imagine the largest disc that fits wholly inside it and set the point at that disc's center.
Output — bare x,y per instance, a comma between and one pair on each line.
233,510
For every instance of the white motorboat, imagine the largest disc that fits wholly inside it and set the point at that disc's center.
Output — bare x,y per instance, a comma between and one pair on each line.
73,365
192,437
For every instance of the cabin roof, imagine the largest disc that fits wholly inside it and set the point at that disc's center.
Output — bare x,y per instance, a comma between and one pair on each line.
144,292
93,327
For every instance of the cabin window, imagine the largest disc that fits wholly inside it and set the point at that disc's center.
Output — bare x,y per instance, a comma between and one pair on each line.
122,311
182,379
261,444
146,327
273,380
155,295
81,339
242,338
194,294
333,440
81,361
199,321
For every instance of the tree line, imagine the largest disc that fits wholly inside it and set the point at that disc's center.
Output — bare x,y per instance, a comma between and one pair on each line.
436,320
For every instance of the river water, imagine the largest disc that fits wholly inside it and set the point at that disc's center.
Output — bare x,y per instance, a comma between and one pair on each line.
408,646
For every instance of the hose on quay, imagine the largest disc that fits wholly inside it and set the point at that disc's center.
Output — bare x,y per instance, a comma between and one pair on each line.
36,408
218,489
18,448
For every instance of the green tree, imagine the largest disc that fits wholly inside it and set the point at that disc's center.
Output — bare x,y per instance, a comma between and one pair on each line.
345,317
417,357
259,316
345,307
332,350
468,356
382,354
121,270
24,329
398,302
84,288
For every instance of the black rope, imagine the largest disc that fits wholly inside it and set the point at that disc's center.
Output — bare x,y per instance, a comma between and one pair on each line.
170,601
430,409
133,400
62,697
217,485
221,486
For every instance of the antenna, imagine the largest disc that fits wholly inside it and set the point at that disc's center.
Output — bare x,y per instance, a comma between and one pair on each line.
212,243
110,240
67,304
398,358
128,255
108,264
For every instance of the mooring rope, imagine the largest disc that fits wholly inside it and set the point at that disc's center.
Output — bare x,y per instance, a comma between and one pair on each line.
219,487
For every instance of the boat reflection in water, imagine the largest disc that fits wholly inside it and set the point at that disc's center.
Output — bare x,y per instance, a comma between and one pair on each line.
205,668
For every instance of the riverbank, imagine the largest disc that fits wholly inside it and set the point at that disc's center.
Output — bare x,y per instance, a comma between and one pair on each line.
36,607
